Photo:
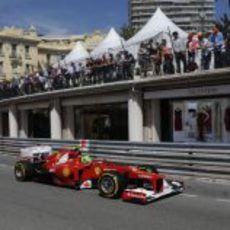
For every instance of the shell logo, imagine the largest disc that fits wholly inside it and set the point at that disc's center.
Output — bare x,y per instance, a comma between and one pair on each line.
97,171
66,172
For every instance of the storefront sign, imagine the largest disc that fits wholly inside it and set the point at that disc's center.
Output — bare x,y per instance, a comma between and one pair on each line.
189,92
203,91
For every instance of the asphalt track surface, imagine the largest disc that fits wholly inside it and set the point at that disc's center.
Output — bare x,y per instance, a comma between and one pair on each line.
34,206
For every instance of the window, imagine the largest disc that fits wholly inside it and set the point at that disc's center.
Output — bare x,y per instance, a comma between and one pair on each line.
27,68
14,50
1,49
27,51
1,67
14,65
48,59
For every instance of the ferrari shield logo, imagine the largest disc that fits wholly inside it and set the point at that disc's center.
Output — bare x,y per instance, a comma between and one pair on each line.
97,171
66,172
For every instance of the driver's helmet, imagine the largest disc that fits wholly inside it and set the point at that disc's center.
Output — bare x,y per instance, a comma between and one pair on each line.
86,159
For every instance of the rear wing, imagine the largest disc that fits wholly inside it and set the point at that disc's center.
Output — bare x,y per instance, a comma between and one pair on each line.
36,154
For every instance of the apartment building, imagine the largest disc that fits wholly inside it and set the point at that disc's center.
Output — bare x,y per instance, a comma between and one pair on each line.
190,15
24,51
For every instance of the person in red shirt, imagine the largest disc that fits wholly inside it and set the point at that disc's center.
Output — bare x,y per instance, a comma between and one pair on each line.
202,119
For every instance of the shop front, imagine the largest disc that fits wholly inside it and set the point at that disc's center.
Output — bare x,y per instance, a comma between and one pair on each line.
103,122
201,120
39,123
5,124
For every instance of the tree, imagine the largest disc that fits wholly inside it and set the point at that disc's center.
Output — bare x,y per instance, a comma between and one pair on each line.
127,31
224,23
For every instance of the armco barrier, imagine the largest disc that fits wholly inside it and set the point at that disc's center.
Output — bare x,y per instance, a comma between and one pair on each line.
212,160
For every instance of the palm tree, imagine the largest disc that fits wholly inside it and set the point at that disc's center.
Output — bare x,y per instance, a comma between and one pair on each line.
127,31
224,23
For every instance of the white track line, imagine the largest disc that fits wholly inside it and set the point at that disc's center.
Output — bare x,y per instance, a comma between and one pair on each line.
226,201
189,195
223,200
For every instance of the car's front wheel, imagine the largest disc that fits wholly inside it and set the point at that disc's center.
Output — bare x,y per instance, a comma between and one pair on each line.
111,185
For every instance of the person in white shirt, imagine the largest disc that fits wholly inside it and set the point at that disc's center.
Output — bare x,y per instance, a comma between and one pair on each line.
179,47
206,49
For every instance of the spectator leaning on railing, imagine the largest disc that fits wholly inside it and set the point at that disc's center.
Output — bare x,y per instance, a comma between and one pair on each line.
167,56
179,47
154,57
150,58
206,51
227,47
192,50
217,40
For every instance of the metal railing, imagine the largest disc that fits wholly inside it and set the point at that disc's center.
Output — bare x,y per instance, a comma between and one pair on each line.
201,160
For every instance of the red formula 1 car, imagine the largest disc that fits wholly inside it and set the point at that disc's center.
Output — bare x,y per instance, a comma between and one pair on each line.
69,167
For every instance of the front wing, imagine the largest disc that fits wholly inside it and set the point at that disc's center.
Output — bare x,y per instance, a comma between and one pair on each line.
143,195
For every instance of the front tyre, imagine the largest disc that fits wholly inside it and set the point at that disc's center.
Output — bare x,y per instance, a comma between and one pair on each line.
23,171
111,185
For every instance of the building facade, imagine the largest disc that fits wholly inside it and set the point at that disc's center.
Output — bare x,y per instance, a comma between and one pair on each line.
24,51
184,108
190,15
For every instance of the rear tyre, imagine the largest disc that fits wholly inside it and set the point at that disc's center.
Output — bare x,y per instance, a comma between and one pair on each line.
111,184
23,171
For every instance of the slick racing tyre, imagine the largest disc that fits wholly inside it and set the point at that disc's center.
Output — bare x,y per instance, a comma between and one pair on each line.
111,185
23,171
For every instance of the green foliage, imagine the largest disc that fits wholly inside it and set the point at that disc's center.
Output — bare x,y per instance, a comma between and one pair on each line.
127,32
224,23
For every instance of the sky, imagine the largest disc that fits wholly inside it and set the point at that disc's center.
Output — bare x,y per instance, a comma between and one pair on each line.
222,7
64,17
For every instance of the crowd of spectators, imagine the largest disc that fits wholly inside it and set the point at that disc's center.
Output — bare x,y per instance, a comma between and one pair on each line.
197,52
108,68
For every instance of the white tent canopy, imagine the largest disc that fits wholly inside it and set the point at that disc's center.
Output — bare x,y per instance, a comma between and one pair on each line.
78,53
158,25
113,42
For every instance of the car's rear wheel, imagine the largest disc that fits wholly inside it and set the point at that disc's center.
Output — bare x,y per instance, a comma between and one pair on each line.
23,171
111,184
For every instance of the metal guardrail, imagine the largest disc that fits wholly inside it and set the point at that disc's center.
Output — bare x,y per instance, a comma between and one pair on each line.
212,160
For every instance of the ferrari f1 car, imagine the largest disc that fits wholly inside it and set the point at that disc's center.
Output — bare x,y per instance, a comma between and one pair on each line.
69,167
